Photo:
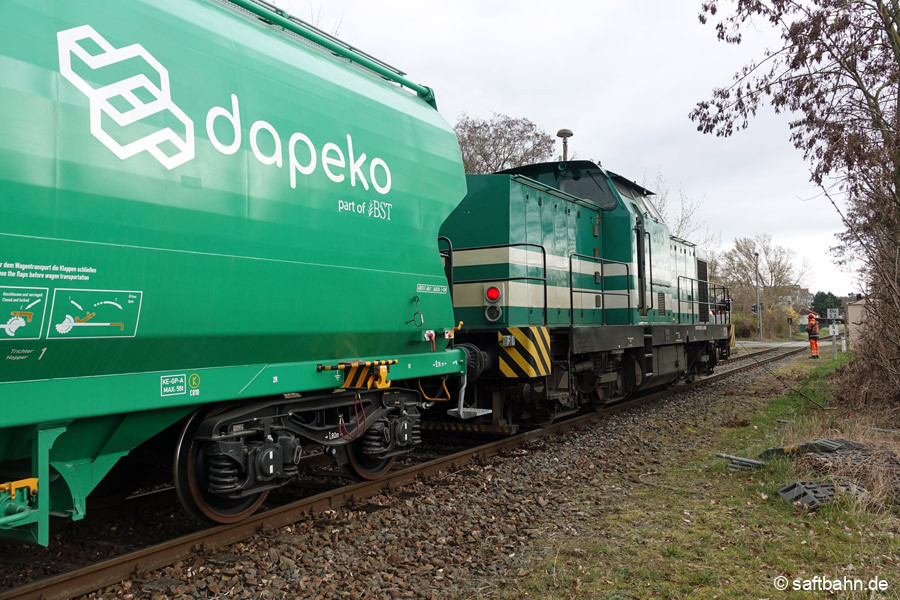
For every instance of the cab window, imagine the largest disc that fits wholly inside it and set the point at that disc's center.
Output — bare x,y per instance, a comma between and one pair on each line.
590,186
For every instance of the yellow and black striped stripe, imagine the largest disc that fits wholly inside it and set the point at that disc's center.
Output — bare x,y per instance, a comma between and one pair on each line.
355,377
530,357
358,374
341,366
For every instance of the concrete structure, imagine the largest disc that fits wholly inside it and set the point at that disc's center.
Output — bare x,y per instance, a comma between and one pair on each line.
856,320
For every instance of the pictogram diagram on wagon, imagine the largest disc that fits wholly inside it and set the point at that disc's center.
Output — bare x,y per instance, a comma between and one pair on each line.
22,312
94,314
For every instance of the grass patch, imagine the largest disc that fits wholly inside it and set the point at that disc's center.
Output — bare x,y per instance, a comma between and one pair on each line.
689,528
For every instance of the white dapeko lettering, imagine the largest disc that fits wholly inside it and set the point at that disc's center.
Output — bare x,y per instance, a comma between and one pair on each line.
329,161
355,165
296,166
233,117
304,161
275,159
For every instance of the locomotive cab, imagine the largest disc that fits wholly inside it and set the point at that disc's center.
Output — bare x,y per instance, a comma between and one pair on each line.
580,178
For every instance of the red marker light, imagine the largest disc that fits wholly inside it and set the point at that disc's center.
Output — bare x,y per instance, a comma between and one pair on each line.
492,294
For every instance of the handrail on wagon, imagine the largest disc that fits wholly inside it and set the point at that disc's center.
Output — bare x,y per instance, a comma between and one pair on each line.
274,15
603,292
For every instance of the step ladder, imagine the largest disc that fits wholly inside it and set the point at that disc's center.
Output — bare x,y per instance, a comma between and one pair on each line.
648,353
465,412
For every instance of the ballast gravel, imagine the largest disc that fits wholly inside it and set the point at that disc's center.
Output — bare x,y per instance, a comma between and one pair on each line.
455,535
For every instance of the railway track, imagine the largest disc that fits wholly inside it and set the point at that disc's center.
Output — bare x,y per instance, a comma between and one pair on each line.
134,564
766,351
748,356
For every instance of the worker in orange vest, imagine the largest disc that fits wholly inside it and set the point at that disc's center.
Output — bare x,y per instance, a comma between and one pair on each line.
812,328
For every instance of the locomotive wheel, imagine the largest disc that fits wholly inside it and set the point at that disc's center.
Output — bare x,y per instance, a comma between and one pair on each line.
365,467
192,484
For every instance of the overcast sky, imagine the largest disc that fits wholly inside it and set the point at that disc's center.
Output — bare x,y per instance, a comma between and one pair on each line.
623,76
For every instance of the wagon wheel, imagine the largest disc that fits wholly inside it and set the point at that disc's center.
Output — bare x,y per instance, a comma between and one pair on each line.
191,475
363,466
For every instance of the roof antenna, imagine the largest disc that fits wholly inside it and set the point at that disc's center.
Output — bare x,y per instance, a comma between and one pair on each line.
565,134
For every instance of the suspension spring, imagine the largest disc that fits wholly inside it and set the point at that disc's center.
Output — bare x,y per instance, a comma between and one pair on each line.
223,474
374,440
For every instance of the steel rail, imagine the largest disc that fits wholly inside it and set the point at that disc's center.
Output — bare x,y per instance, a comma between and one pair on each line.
749,355
755,363
776,347
109,572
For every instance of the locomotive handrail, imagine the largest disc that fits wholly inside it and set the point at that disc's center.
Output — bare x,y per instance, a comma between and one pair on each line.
499,279
603,293
315,35
650,265
691,295
723,306
712,288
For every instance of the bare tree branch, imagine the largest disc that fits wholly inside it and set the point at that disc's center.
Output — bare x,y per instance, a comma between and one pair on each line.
503,142
838,73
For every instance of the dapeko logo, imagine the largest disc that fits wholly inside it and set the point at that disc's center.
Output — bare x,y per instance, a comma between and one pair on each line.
129,95
118,108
